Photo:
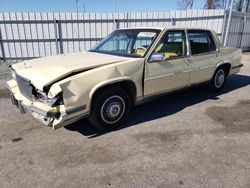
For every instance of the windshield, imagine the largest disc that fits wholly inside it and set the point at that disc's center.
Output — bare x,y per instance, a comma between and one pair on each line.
134,42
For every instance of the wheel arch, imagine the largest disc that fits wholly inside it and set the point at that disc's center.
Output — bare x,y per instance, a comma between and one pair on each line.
125,83
225,65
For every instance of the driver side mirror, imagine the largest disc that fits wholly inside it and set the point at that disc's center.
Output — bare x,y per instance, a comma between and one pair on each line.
156,57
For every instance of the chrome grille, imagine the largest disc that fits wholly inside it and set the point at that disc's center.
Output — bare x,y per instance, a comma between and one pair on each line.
25,87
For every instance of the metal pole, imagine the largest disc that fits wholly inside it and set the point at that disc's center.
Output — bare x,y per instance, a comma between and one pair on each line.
60,36
228,23
84,6
77,6
114,5
244,7
115,27
2,47
56,36
242,31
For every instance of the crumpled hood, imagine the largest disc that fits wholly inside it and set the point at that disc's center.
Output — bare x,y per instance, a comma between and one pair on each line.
47,70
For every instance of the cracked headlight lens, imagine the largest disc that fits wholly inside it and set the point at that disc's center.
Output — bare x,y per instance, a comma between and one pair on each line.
57,100
52,101
13,74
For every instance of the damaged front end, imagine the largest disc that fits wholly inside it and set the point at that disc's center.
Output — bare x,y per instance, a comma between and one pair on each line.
48,108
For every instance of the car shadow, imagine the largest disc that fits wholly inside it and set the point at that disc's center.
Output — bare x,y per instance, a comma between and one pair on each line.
163,106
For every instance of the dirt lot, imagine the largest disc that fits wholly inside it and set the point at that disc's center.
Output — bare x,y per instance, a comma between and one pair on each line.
189,139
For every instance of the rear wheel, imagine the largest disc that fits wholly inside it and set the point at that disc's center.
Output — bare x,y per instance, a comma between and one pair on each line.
218,81
109,108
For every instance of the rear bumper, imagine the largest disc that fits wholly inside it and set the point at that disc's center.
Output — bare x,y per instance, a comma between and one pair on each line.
55,117
236,68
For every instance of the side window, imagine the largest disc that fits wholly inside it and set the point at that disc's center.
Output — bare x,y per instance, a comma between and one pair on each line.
142,42
173,44
201,42
144,39
211,41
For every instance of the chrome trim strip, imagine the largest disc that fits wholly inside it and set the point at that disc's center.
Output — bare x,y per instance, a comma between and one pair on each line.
77,109
205,53
206,67
187,71
187,44
162,76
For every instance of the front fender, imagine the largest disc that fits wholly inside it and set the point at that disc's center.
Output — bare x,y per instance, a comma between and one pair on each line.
109,82
79,89
55,89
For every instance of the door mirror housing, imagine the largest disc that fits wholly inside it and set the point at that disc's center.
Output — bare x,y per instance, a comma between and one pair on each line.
156,57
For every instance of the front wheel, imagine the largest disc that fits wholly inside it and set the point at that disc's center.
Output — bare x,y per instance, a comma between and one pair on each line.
218,81
109,108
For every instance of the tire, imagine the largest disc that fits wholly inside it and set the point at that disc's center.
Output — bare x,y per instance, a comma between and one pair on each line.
218,81
109,108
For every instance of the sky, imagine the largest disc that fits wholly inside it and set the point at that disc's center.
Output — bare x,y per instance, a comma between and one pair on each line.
91,5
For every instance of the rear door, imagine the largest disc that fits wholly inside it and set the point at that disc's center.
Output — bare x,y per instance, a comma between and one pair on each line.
204,55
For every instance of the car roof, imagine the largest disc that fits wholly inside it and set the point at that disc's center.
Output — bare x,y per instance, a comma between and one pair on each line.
165,28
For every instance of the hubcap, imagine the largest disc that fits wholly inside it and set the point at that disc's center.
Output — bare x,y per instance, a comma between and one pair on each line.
219,78
112,109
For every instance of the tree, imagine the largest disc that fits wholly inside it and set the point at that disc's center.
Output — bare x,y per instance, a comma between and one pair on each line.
248,6
185,4
217,4
239,5
242,5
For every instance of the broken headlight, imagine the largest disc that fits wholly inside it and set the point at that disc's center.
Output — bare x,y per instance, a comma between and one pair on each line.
54,101
13,74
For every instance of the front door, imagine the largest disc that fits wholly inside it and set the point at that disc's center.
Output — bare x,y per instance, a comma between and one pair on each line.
171,73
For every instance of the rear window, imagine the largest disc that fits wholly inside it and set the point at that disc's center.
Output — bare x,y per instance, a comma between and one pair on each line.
201,42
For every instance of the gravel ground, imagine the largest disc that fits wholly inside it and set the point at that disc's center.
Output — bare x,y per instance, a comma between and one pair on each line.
187,139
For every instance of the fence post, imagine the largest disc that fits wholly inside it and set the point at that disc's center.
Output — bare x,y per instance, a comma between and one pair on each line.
172,22
117,24
242,31
2,47
127,19
223,30
56,36
59,24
